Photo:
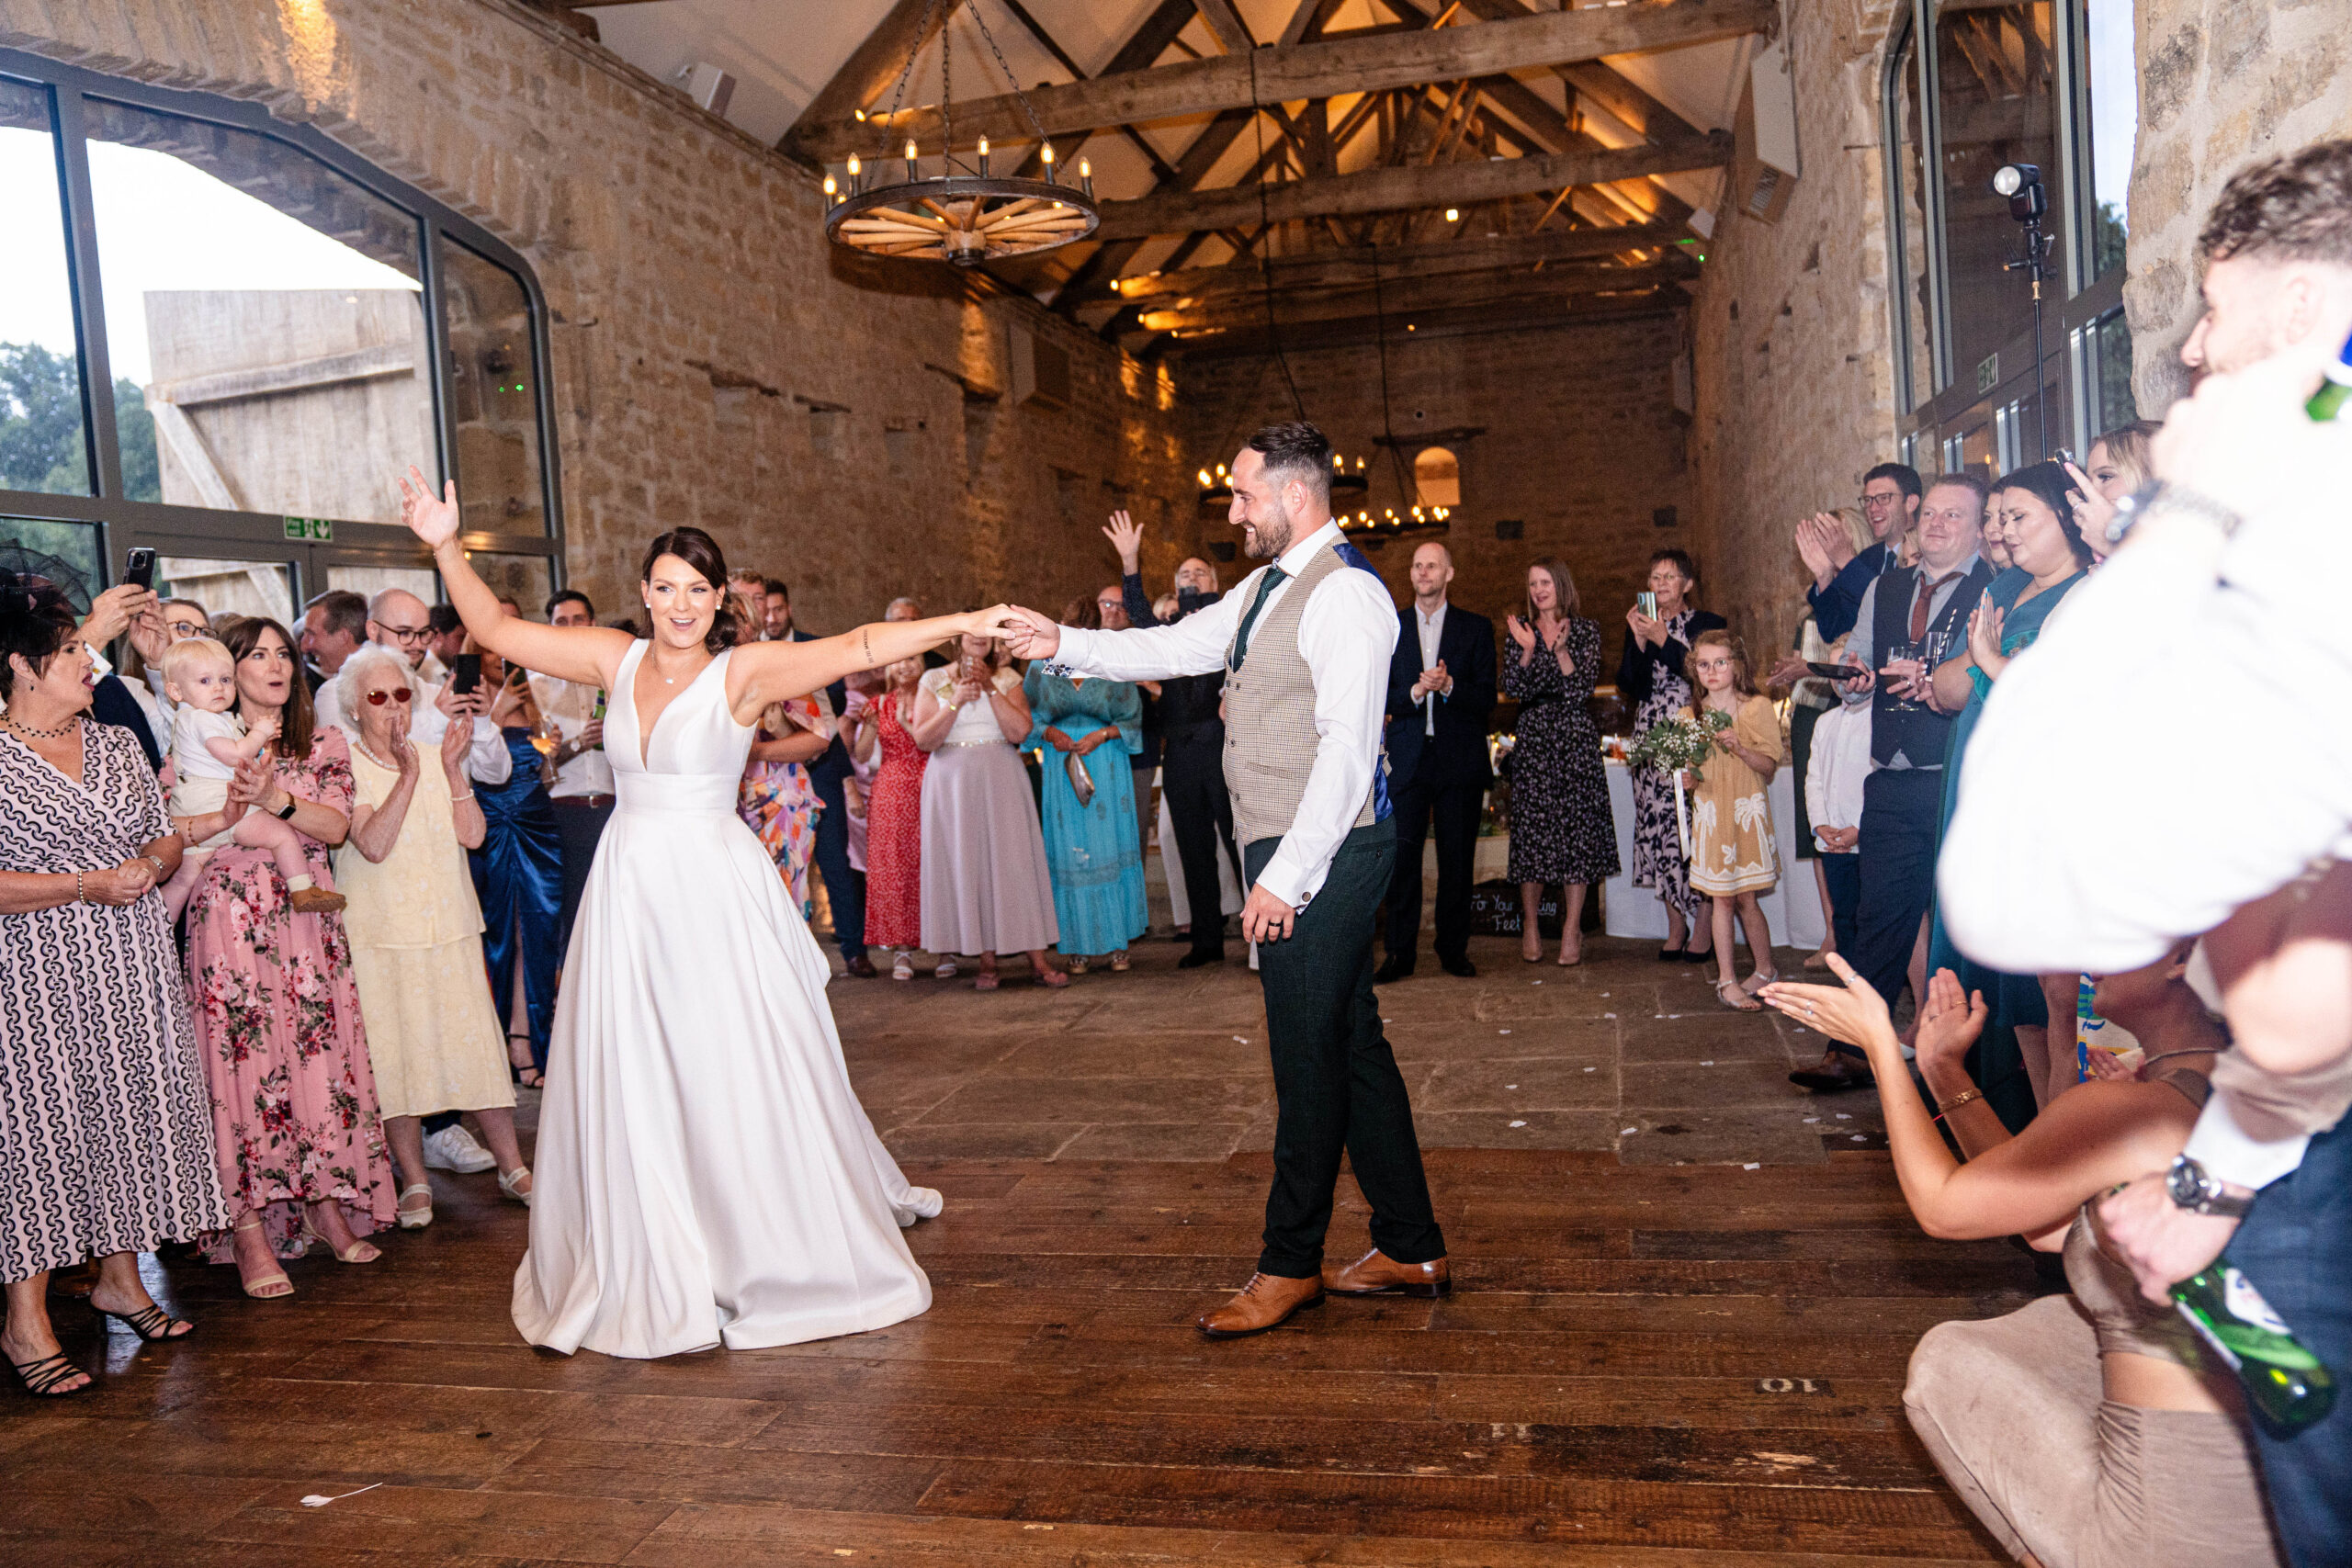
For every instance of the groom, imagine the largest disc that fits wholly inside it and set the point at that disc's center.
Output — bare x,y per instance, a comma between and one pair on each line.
1304,644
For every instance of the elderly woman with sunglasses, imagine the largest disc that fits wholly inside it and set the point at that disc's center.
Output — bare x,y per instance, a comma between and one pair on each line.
416,933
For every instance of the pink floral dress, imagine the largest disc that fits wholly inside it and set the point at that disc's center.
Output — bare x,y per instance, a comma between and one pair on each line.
294,1117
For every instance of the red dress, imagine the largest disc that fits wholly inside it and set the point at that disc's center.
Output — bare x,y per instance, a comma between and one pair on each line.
894,834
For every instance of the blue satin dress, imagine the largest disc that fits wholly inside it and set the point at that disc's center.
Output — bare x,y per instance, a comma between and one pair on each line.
518,876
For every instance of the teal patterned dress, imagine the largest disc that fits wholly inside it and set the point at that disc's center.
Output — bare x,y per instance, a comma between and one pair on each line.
1092,850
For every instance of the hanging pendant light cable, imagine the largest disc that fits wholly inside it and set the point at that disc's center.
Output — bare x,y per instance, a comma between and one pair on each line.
1266,241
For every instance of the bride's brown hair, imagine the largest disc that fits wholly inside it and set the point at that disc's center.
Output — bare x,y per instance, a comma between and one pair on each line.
700,551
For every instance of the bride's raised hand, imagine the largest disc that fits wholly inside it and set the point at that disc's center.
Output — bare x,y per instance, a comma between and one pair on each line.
430,519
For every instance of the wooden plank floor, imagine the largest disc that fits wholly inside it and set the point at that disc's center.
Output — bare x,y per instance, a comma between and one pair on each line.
1651,1364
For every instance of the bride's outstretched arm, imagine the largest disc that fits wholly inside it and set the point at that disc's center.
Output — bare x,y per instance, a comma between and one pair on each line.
778,671
585,654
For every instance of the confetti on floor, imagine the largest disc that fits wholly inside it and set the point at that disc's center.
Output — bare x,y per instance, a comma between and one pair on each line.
1519,1123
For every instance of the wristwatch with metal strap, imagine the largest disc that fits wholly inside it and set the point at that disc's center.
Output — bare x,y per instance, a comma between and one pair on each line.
2193,1189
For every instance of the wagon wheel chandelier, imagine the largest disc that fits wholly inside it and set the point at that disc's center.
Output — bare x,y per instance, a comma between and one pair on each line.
967,217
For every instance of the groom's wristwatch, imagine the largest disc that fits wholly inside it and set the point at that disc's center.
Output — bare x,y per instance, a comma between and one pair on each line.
2191,1188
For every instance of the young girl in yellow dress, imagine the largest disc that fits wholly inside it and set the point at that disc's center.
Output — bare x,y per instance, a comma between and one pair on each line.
1733,854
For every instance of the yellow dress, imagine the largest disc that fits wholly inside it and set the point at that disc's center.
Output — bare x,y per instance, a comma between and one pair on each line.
416,958
1732,848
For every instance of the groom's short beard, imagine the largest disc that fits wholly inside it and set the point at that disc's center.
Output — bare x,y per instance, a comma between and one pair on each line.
1265,541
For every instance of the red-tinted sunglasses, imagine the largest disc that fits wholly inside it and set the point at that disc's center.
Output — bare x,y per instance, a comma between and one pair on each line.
378,699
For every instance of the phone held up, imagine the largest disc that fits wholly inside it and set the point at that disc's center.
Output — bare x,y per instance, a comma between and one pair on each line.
465,674
1647,602
139,567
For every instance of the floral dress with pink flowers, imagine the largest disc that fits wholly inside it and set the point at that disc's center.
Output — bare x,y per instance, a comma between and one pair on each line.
294,1116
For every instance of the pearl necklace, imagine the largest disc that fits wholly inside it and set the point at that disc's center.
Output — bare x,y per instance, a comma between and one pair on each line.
361,748
72,722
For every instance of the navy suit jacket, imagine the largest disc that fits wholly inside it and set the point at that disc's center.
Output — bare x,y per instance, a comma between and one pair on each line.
833,764
1458,753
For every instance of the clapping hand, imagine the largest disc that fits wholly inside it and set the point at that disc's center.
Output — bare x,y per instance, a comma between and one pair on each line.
1126,538
1984,637
1433,679
435,521
1950,1022
403,751
455,742
1521,633
1854,1012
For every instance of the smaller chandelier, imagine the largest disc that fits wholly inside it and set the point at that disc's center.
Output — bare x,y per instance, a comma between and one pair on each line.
1348,479
1417,523
966,217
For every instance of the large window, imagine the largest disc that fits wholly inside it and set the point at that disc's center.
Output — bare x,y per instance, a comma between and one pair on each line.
280,330
1970,87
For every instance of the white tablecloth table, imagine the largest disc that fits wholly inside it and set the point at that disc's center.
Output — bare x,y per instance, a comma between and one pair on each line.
1792,909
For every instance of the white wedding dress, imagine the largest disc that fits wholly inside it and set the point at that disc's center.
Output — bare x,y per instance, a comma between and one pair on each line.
704,1173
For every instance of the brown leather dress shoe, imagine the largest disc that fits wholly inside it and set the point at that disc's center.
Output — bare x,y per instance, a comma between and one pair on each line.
1377,1274
1265,1301
861,967
1834,1071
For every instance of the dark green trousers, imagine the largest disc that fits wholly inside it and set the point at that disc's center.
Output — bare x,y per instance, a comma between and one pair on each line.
1336,1084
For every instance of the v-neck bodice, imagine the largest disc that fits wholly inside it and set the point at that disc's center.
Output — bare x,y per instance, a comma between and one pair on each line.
693,757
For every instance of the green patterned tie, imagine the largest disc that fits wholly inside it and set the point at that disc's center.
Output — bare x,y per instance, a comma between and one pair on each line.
1275,576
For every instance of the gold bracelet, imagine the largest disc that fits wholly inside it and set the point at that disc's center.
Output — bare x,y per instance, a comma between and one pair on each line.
459,799
1946,1107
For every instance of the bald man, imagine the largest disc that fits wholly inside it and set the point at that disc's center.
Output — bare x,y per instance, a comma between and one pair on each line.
1191,735
1440,693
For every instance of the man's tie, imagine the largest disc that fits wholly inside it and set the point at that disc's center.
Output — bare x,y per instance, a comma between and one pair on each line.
1920,605
1275,576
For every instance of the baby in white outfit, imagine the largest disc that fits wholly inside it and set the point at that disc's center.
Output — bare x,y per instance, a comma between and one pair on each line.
207,744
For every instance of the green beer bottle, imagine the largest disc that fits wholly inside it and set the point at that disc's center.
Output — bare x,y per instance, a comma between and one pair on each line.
2288,1387
2336,392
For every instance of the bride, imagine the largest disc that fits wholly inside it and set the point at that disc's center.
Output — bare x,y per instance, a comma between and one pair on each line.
704,1173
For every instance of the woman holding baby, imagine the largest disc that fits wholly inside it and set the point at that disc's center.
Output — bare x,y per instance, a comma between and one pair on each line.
275,1003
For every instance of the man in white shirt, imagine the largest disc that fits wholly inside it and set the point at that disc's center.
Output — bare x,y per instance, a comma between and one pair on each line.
1305,643
582,792
2167,760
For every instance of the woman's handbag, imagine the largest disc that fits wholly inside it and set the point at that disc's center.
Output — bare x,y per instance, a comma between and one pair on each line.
1081,782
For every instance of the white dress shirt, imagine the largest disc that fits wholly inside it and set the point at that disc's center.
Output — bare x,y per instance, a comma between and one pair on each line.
1840,761
569,705
487,759
2165,752
1346,633
1431,629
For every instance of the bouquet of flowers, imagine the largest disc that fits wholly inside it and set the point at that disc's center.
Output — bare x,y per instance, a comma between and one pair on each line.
1673,746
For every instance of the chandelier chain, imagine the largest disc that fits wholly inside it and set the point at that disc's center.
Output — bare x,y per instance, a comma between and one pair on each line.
1010,79
906,71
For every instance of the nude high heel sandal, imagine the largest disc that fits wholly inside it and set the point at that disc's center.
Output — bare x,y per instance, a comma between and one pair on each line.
260,1287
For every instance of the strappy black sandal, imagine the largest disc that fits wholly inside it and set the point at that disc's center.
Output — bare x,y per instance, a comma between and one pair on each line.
40,1378
150,1321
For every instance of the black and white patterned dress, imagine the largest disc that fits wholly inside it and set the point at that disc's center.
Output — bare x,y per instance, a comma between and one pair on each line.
106,1131
1561,826
1654,678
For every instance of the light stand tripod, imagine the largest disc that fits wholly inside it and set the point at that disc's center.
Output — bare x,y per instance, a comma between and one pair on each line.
2028,201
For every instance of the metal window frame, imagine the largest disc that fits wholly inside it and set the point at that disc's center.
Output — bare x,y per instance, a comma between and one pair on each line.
122,521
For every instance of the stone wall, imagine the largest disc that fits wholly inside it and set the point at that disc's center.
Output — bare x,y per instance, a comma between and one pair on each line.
849,426
1793,363
2222,83
1578,441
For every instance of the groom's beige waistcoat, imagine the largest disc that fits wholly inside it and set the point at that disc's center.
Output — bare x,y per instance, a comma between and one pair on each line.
1270,734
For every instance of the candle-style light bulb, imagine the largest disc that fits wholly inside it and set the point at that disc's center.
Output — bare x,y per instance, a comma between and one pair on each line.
984,157
1204,479
832,191
856,184
1086,177
1048,155
910,157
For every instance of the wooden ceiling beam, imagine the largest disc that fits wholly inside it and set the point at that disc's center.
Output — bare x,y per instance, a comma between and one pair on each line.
1401,298
1231,32
1317,70
870,69
1329,269
1403,189
1524,315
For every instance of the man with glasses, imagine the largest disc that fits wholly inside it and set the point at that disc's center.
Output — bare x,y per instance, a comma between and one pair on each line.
1891,497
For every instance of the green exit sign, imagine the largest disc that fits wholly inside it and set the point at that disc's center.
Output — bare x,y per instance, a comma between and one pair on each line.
1988,372
317,530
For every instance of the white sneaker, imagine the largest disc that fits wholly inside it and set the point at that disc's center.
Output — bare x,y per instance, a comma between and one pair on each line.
453,1148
